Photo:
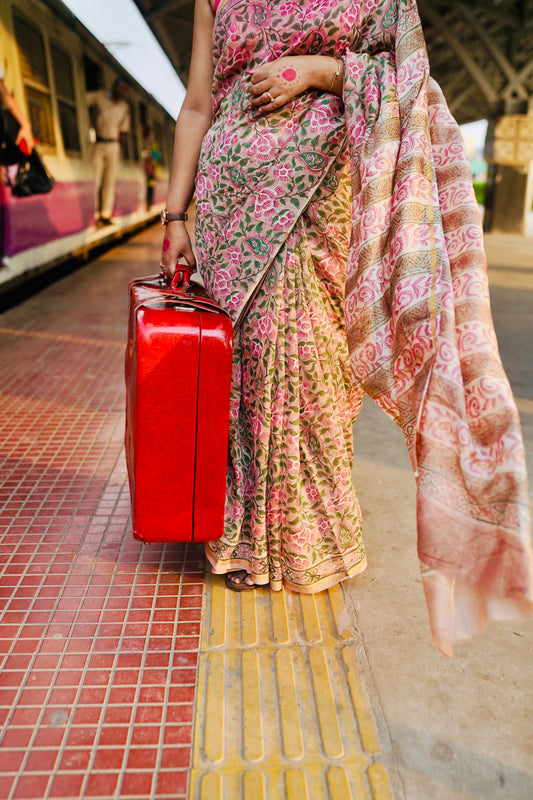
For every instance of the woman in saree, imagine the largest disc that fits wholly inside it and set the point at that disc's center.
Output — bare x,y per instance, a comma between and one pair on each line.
336,223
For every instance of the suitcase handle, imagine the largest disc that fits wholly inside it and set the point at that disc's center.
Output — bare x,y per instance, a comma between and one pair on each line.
181,280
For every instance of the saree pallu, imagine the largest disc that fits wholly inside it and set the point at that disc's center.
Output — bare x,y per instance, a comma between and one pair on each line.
271,201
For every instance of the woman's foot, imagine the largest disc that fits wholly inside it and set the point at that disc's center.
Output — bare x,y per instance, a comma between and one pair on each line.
240,581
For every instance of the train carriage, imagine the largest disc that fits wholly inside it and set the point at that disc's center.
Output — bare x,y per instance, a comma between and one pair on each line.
50,60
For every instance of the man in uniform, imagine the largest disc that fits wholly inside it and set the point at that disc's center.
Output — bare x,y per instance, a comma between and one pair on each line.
112,123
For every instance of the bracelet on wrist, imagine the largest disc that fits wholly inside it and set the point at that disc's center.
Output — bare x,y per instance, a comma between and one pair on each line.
335,78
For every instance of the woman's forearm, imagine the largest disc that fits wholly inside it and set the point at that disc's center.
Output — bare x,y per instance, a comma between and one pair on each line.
9,102
327,74
191,128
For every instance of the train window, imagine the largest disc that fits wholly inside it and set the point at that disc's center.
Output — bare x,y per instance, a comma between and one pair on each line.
94,74
143,114
35,77
66,99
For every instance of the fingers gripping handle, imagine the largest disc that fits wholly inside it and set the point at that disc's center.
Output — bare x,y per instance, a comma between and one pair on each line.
181,279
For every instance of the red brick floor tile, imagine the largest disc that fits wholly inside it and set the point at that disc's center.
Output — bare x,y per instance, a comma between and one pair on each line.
108,759
138,784
126,677
129,661
40,761
151,694
145,735
74,759
17,737
142,758
125,695
176,757
81,736
117,715
69,785
14,678
31,786
86,715
113,736
25,716
182,694
149,714
6,784
172,783
49,737
10,760
101,785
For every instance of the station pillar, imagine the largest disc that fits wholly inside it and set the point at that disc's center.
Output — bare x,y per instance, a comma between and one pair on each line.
509,153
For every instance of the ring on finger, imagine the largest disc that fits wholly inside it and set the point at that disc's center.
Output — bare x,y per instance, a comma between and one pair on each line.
272,99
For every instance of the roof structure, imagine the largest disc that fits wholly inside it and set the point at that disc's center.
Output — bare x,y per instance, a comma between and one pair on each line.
480,50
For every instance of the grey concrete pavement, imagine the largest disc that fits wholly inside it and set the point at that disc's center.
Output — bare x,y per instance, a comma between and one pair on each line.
459,729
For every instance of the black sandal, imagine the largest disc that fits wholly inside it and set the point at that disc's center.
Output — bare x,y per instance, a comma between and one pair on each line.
242,586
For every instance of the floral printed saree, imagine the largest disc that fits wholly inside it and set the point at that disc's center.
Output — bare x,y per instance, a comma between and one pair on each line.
340,231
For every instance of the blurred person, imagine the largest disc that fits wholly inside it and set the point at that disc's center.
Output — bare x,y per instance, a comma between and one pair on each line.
24,138
149,157
112,122
336,223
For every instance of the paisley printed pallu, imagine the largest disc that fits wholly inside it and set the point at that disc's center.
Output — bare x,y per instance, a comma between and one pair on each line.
273,202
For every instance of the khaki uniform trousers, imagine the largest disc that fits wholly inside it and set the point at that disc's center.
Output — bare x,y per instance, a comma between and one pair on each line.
105,162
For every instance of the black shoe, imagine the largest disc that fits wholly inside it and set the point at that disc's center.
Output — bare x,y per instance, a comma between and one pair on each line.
105,221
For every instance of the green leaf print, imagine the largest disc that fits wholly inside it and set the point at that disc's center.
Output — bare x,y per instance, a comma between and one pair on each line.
272,279
314,443
315,161
390,17
237,94
260,16
331,181
345,536
259,246
237,176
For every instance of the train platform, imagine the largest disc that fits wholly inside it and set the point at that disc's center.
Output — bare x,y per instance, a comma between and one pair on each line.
127,671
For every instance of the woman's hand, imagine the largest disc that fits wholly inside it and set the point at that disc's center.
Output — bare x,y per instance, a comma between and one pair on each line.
25,135
277,82
176,247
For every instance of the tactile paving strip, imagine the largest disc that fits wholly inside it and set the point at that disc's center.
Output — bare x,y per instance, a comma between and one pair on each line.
282,711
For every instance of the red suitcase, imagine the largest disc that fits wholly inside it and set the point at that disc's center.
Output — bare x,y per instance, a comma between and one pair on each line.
178,374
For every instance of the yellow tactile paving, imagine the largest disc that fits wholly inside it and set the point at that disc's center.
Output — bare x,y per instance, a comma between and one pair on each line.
282,711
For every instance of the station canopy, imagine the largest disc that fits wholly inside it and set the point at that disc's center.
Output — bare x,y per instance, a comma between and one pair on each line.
480,50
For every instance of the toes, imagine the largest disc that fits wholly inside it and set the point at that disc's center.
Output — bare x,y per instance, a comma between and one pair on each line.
238,577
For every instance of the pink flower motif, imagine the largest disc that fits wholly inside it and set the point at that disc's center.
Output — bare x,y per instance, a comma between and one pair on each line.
234,255
265,202
282,172
200,187
289,7
256,349
324,524
306,351
265,327
209,238
312,493
235,301
299,538
213,171
283,221
222,281
320,119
